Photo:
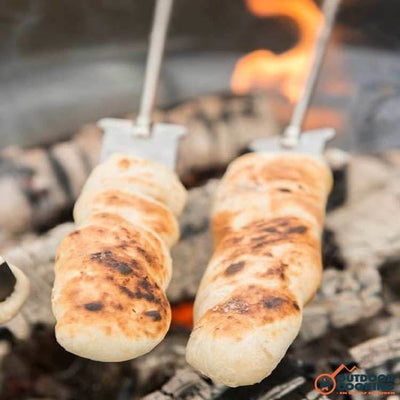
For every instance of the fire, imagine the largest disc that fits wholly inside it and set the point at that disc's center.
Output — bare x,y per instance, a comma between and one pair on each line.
182,314
264,69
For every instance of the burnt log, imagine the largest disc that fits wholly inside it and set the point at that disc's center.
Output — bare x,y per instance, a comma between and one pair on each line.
345,297
288,381
186,384
36,259
367,229
378,351
38,185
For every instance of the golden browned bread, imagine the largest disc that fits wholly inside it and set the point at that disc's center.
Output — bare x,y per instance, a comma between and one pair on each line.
137,176
135,208
267,223
112,271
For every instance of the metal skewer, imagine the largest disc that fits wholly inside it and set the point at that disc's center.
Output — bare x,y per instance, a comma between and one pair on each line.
158,35
291,135
159,141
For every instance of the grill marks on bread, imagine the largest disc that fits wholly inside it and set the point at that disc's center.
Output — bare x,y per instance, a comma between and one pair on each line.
136,208
258,237
112,271
267,219
249,307
116,283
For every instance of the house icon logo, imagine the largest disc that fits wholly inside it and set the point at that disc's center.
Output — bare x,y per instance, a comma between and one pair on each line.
326,383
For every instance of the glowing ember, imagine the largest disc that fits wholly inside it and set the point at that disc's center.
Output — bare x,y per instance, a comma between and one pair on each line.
182,314
264,69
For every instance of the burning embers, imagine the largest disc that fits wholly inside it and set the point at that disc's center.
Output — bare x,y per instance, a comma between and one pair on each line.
263,68
182,314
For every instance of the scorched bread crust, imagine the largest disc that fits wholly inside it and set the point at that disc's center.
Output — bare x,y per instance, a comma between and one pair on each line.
137,176
139,209
267,223
112,271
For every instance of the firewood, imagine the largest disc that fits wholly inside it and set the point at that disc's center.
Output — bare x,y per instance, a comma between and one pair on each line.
366,229
186,384
37,185
285,383
155,368
345,298
375,352
383,325
36,259
390,273
192,252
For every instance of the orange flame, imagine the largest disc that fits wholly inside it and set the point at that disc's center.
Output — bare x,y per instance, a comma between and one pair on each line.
264,69
182,314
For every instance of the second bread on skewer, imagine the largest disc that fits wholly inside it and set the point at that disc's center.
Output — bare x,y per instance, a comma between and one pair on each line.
111,273
267,222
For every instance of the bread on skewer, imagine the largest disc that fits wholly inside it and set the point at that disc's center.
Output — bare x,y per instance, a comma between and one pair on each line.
267,223
112,271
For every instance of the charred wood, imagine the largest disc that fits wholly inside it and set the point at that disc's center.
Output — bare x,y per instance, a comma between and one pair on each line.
378,351
36,259
288,381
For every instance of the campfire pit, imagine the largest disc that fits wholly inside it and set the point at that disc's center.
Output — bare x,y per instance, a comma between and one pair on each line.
354,318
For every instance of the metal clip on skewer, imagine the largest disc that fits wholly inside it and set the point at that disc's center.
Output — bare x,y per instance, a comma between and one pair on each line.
291,135
157,142
293,139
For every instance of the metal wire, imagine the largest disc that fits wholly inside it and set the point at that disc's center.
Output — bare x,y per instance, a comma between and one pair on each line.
153,65
291,135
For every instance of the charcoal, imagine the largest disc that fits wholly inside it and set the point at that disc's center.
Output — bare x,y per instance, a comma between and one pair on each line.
345,297
378,351
40,368
36,259
288,381
38,186
338,161
331,254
